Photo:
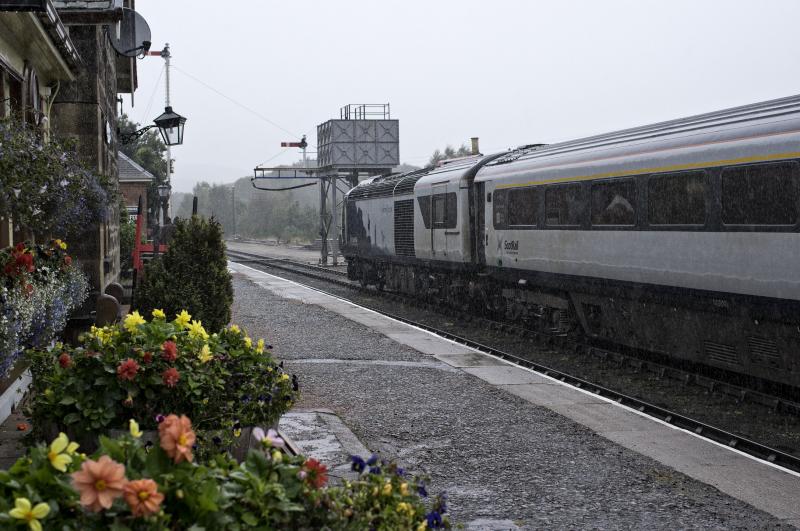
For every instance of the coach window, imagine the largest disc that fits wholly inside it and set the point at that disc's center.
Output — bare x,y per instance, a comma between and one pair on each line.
499,209
444,211
613,202
677,198
425,209
761,194
523,207
563,205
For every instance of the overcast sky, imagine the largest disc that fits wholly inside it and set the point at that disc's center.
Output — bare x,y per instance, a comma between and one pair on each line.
510,72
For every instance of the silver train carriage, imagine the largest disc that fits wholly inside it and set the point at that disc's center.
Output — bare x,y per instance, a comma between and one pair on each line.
680,238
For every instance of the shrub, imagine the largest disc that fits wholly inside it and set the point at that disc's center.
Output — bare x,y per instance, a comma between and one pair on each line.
141,370
192,275
39,287
164,487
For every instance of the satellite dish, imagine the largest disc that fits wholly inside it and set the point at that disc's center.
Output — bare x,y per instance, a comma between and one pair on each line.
131,35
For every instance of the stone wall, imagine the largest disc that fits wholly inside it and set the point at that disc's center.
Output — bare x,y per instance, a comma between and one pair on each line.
85,110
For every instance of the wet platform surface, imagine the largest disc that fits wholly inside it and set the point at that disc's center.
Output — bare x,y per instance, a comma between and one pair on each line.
507,443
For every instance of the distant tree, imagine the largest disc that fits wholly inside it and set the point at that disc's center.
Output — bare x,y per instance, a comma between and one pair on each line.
149,152
449,153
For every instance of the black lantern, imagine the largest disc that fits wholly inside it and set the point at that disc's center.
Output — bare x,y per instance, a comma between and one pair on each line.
163,191
170,124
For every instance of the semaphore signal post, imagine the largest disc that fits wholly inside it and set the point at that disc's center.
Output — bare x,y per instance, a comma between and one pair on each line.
363,142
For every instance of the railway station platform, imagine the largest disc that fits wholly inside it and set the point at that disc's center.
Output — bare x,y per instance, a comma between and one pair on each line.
513,449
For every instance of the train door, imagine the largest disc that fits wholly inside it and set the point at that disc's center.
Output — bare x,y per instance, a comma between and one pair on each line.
439,218
478,204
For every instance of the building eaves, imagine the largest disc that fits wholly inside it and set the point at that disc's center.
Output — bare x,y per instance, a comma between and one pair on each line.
130,171
89,11
46,12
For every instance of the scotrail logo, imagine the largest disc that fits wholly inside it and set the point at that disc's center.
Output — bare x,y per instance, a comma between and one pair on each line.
511,246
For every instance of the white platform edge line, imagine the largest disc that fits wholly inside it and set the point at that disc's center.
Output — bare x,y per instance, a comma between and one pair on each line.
554,380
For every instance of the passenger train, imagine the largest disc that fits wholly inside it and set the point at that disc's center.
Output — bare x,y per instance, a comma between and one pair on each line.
679,238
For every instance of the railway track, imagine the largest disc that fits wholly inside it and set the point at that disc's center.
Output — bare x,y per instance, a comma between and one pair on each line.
719,435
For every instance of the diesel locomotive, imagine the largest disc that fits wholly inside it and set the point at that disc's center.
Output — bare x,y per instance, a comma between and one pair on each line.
678,238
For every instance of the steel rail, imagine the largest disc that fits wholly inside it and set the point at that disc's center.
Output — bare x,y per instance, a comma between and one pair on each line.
718,435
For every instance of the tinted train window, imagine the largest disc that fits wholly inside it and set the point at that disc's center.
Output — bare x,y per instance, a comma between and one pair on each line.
523,207
443,212
762,194
499,209
563,205
425,208
613,202
677,199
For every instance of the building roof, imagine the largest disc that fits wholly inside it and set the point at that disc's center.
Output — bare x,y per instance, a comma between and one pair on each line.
130,172
87,4
48,16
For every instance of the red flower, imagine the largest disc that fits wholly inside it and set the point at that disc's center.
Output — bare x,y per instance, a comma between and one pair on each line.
171,377
316,473
20,247
147,357
64,360
170,351
127,369
68,260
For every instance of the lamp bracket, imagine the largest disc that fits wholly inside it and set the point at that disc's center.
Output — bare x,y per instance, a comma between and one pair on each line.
131,137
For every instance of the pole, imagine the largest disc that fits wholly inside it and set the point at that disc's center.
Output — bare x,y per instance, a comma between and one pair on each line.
233,208
323,259
167,56
334,224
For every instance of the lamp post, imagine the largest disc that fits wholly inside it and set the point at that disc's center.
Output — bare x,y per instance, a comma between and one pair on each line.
233,208
163,195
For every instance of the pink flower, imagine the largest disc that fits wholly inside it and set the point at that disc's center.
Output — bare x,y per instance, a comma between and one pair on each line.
99,482
271,438
171,377
127,369
143,497
64,360
177,437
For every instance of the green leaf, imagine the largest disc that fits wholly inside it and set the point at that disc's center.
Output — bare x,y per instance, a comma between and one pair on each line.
72,418
67,400
250,519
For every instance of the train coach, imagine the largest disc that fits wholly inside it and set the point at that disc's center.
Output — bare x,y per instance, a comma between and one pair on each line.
679,238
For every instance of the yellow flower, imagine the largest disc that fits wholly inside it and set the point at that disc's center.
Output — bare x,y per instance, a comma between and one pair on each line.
284,378
159,314
58,458
23,511
423,525
235,329
248,342
196,330
132,322
182,319
277,456
134,428
260,346
387,488
63,245
205,354
404,489
237,432
404,507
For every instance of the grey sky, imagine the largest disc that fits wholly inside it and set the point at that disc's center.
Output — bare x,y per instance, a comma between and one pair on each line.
510,72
